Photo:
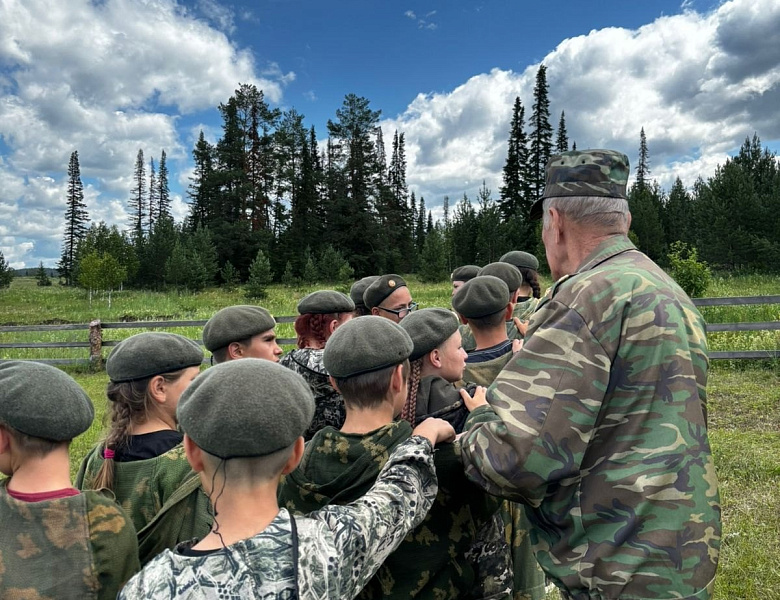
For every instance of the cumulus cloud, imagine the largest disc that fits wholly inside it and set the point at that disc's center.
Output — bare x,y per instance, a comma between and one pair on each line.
697,83
105,78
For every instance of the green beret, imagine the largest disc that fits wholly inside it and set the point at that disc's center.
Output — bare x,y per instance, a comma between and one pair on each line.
506,272
599,173
482,296
236,323
364,345
381,289
521,260
152,353
325,302
358,289
43,402
246,408
429,328
465,273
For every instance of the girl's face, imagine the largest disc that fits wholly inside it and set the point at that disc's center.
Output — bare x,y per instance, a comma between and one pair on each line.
453,358
174,389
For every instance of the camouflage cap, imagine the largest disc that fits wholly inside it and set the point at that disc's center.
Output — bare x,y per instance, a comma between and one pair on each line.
235,323
359,287
364,345
521,260
43,402
465,273
506,273
601,173
152,353
246,408
381,289
429,328
325,302
482,296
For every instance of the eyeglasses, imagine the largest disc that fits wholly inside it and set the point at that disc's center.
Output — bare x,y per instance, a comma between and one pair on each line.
400,312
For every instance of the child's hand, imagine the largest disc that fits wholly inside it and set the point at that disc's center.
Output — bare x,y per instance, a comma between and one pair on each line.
436,430
516,345
478,399
522,326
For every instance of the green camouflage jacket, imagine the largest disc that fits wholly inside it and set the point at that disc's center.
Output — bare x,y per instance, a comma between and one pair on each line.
484,373
603,434
339,548
81,547
338,468
522,310
162,495
329,405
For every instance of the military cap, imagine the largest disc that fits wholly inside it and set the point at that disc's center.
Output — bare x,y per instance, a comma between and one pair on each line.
465,273
325,302
504,271
235,323
364,345
381,289
429,329
246,408
482,296
359,287
152,353
43,402
601,173
521,260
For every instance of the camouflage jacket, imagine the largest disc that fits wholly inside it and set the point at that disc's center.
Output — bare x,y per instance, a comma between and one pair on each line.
329,405
162,495
78,547
484,373
603,434
338,548
337,468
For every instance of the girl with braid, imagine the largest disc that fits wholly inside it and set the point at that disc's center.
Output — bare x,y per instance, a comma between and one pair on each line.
320,314
141,459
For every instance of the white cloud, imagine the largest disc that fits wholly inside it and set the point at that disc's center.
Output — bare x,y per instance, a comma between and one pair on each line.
698,84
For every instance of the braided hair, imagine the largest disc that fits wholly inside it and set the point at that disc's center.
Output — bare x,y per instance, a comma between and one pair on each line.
409,411
531,277
313,328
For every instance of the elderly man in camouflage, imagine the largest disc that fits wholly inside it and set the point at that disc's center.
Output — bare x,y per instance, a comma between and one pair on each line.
603,421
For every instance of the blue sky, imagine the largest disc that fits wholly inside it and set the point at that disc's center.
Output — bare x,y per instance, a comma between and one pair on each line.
109,77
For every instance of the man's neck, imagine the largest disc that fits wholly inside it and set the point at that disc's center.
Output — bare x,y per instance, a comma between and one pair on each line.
366,420
42,474
240,513
490,337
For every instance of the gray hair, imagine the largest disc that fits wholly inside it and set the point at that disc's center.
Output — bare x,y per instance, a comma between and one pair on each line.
608,215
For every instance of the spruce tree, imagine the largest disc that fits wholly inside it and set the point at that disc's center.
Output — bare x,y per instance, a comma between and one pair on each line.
202,189
152,206
6,272
541,134
42,277
643,164
137,203
515,193
562,138
76,220
260,276
433,262
163,191
419,232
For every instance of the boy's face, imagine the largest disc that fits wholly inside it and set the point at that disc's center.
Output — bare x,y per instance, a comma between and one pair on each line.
453,358
264,346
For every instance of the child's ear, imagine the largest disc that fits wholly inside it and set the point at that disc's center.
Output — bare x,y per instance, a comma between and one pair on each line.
397,382
235,350
333,383
295,458
157,388
5,440
434,358
510,308
194,454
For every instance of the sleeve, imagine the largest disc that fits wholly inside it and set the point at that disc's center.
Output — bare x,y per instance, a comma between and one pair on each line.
547,399
368,530
113,543
80,476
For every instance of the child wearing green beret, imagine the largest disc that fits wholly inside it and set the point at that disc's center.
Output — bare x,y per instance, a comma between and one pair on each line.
141,458
256,549
320,313
368,361
55,541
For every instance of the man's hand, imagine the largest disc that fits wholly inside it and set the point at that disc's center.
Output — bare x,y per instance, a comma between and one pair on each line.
436,430
522,326
478,399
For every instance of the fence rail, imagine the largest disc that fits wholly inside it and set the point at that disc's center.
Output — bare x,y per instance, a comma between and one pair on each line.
96,342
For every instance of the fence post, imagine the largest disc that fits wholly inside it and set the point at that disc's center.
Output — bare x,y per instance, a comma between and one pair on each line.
95,344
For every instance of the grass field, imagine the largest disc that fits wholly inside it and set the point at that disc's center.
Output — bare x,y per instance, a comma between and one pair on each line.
744,398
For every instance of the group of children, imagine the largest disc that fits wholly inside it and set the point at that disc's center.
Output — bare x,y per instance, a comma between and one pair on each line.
203,481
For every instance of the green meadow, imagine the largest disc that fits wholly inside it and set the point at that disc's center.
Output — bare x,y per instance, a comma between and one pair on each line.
744,396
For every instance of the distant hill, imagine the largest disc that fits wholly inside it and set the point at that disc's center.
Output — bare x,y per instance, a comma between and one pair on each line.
33,271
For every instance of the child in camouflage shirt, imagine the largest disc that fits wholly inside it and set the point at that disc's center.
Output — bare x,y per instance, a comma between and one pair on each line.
55,542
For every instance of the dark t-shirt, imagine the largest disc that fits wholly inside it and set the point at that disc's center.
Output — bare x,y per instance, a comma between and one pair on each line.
148,445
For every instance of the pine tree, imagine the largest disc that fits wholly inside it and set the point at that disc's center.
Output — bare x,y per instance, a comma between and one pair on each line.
163,191
42,277
6,272
515,193
153,204
76,219
541,134
562,138
137,202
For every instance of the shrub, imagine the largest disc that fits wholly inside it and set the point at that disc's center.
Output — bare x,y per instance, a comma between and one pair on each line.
691,274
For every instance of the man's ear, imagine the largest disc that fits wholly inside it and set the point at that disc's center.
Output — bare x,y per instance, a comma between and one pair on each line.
235,350
333,383
194,454
295,458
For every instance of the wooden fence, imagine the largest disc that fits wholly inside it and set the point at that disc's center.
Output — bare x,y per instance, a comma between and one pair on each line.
95,342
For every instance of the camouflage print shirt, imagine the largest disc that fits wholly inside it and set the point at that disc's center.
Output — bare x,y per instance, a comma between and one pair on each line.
339,548
329,405
603,434
79,547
